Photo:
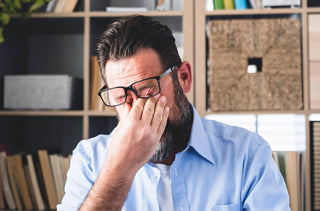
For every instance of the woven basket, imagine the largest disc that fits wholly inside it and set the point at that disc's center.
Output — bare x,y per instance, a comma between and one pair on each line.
277,87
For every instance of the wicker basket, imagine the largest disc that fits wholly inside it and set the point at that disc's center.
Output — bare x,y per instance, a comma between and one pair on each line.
278,86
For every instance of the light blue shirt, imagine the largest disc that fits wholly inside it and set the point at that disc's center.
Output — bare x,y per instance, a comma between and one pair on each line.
223,168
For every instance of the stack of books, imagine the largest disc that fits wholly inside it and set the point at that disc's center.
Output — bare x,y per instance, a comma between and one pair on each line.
253,4
32,181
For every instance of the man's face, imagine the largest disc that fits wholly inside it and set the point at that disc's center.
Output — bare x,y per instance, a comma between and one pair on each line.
145,64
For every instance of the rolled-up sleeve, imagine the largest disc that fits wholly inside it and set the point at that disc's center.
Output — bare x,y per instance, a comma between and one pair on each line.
263,185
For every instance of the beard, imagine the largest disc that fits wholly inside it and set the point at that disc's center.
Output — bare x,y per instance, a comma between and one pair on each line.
177,132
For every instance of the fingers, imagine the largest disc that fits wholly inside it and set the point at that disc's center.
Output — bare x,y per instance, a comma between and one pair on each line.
137,109
151,111
158,113
163,122
148,110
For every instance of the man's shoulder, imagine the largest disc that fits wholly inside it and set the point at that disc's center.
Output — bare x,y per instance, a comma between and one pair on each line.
93,145
227,133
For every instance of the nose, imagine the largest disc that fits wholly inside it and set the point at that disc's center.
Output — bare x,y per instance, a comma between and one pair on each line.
131,97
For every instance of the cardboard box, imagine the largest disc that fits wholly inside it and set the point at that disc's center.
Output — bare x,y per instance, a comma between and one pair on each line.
42,92
314,37
255,64
314,81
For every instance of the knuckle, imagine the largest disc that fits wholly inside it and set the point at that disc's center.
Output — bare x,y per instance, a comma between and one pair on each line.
139,107
158,116
149,108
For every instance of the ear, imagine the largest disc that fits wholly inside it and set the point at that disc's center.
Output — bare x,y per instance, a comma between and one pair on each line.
185,76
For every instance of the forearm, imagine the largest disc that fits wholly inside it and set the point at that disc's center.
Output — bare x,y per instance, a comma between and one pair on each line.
110,190
132,145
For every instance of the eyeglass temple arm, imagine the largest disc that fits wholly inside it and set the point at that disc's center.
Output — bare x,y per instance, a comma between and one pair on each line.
167,71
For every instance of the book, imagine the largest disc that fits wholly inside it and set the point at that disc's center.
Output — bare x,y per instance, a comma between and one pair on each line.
240,4
66,166
59,6
18,182
40,178
2,199
30,187
164,5
58,177
39,202
291,166
96,84
69,5
218,4
253,4
14,187
209,5
292,172
5,182
51,5
48,178
228,4
126,9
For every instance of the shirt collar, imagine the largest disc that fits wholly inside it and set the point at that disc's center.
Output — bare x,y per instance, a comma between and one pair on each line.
199,140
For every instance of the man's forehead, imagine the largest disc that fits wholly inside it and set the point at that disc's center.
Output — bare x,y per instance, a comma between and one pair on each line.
126,72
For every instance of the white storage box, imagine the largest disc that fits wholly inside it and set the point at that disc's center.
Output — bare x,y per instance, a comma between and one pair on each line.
281,3
42,92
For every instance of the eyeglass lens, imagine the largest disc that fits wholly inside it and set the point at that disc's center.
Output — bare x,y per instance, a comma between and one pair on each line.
143,89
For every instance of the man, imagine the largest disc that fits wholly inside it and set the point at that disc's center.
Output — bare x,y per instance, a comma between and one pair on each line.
162,155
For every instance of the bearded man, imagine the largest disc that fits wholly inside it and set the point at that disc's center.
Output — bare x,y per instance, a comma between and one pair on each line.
162,155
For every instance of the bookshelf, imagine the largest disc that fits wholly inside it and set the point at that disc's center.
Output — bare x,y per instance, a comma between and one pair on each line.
62,43
202,16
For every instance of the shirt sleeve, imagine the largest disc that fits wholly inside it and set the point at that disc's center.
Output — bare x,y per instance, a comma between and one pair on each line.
263,185
79,180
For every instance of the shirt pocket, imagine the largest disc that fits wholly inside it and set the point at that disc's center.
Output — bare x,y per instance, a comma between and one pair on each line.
227,207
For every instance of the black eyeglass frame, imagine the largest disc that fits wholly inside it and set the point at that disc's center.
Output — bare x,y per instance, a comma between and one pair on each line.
104,88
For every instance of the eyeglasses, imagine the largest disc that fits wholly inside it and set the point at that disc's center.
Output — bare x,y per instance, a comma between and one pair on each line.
144,89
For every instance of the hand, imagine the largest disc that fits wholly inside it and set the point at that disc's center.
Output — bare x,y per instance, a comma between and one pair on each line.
138,134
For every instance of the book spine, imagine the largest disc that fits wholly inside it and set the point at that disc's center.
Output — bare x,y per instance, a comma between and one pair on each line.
218,4
240,4
228,4
6,183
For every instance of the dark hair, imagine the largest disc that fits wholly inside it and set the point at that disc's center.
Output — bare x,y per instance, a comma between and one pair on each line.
124,37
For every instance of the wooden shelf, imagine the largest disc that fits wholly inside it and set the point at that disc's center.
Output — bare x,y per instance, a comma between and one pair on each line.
103,14
147,13
40,113
254,12
254,112
102,113
59,15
